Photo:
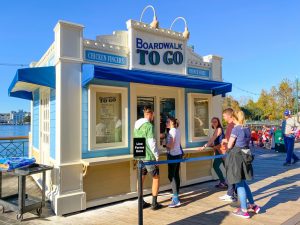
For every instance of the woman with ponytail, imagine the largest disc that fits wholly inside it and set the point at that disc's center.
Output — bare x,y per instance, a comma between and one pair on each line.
174,151
239,165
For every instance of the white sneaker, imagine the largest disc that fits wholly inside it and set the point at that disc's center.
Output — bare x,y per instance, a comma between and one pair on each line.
226,198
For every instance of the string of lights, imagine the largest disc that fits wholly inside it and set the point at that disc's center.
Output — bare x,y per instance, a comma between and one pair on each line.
241,89
13,64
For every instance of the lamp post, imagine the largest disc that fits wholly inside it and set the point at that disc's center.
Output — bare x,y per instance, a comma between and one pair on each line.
186,33
154,23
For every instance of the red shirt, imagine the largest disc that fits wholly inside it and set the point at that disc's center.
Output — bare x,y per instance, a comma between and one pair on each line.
254,136
229,128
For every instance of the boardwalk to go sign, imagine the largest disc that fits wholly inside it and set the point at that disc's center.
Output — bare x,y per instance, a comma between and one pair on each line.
275,188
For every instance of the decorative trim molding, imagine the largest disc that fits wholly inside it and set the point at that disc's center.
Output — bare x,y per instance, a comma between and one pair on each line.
157,31
48,54
199,64
107,47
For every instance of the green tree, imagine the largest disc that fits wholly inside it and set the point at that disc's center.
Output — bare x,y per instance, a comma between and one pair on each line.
285,96
230,102
270,105
264,103
26,119
252,111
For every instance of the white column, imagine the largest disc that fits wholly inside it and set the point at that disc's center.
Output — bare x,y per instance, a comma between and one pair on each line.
67,176
216,74
216,68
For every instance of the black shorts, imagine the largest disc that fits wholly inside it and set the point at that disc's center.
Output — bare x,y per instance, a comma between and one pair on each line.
152,169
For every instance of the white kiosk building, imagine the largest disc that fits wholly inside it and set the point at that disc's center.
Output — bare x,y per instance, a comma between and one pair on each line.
86,95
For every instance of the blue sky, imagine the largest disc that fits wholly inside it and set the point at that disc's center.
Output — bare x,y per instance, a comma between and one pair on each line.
259,40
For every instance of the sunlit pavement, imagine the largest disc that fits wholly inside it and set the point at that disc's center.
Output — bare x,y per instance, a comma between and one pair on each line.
276,188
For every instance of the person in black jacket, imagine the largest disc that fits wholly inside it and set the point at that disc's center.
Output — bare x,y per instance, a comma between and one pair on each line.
239,164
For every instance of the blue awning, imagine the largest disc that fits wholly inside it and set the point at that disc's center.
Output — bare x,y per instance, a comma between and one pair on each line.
28,79
90,72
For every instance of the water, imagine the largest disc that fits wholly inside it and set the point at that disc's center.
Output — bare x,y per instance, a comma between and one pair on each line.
12,131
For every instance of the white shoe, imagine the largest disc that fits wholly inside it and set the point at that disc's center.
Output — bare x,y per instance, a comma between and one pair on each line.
226,198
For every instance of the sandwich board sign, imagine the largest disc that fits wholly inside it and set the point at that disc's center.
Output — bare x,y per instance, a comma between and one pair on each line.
139,147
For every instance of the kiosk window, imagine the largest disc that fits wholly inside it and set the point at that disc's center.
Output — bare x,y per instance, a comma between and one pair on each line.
167,109
108,113
201,123
198,117
108,118
141,102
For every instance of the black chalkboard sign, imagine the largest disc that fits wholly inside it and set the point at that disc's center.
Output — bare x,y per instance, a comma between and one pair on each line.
139,147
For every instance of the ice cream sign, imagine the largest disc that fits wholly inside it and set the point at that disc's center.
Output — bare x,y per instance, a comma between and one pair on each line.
155,53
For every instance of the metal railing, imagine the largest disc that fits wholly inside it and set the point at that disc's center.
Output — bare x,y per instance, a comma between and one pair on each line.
13,146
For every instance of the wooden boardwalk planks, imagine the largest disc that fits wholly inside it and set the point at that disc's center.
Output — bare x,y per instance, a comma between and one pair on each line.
275,188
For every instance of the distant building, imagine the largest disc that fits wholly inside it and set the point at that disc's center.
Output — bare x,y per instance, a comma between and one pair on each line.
18,117
4,118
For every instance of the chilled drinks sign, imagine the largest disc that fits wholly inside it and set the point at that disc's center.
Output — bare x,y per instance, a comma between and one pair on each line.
152,52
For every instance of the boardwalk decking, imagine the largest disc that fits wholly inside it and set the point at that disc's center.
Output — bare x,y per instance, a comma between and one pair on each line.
275,188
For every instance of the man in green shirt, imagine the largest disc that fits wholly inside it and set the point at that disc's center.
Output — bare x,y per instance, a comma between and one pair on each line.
143,128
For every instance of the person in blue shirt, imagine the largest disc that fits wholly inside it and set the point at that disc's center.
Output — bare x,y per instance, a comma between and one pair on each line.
239,164
289,128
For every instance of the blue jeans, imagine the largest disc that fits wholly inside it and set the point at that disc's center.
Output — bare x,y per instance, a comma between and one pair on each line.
289,147
231,190
244,193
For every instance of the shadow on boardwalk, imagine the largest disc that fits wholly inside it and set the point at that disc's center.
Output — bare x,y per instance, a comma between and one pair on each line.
280,191
204,218
275,188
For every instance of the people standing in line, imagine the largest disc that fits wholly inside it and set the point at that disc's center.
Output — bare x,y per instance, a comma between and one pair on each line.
215,142
230,196
174,151
289,126
143,128
239,165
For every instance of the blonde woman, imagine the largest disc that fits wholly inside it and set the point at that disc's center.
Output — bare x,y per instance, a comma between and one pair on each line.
239,164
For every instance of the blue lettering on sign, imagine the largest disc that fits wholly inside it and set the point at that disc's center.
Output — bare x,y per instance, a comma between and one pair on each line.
144,48
140,44
105,58
198,72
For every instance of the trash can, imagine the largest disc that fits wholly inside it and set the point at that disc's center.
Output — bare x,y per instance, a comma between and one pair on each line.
279,143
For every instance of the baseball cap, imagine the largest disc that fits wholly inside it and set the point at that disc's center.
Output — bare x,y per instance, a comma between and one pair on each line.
287,112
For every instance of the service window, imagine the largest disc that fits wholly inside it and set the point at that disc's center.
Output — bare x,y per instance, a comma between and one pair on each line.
165,102
108,110
199,107
141,103
167,110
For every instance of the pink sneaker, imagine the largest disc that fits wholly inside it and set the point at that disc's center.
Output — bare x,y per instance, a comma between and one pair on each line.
241,214
255,208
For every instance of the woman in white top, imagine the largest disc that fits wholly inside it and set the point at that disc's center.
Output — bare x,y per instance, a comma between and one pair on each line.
174,152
